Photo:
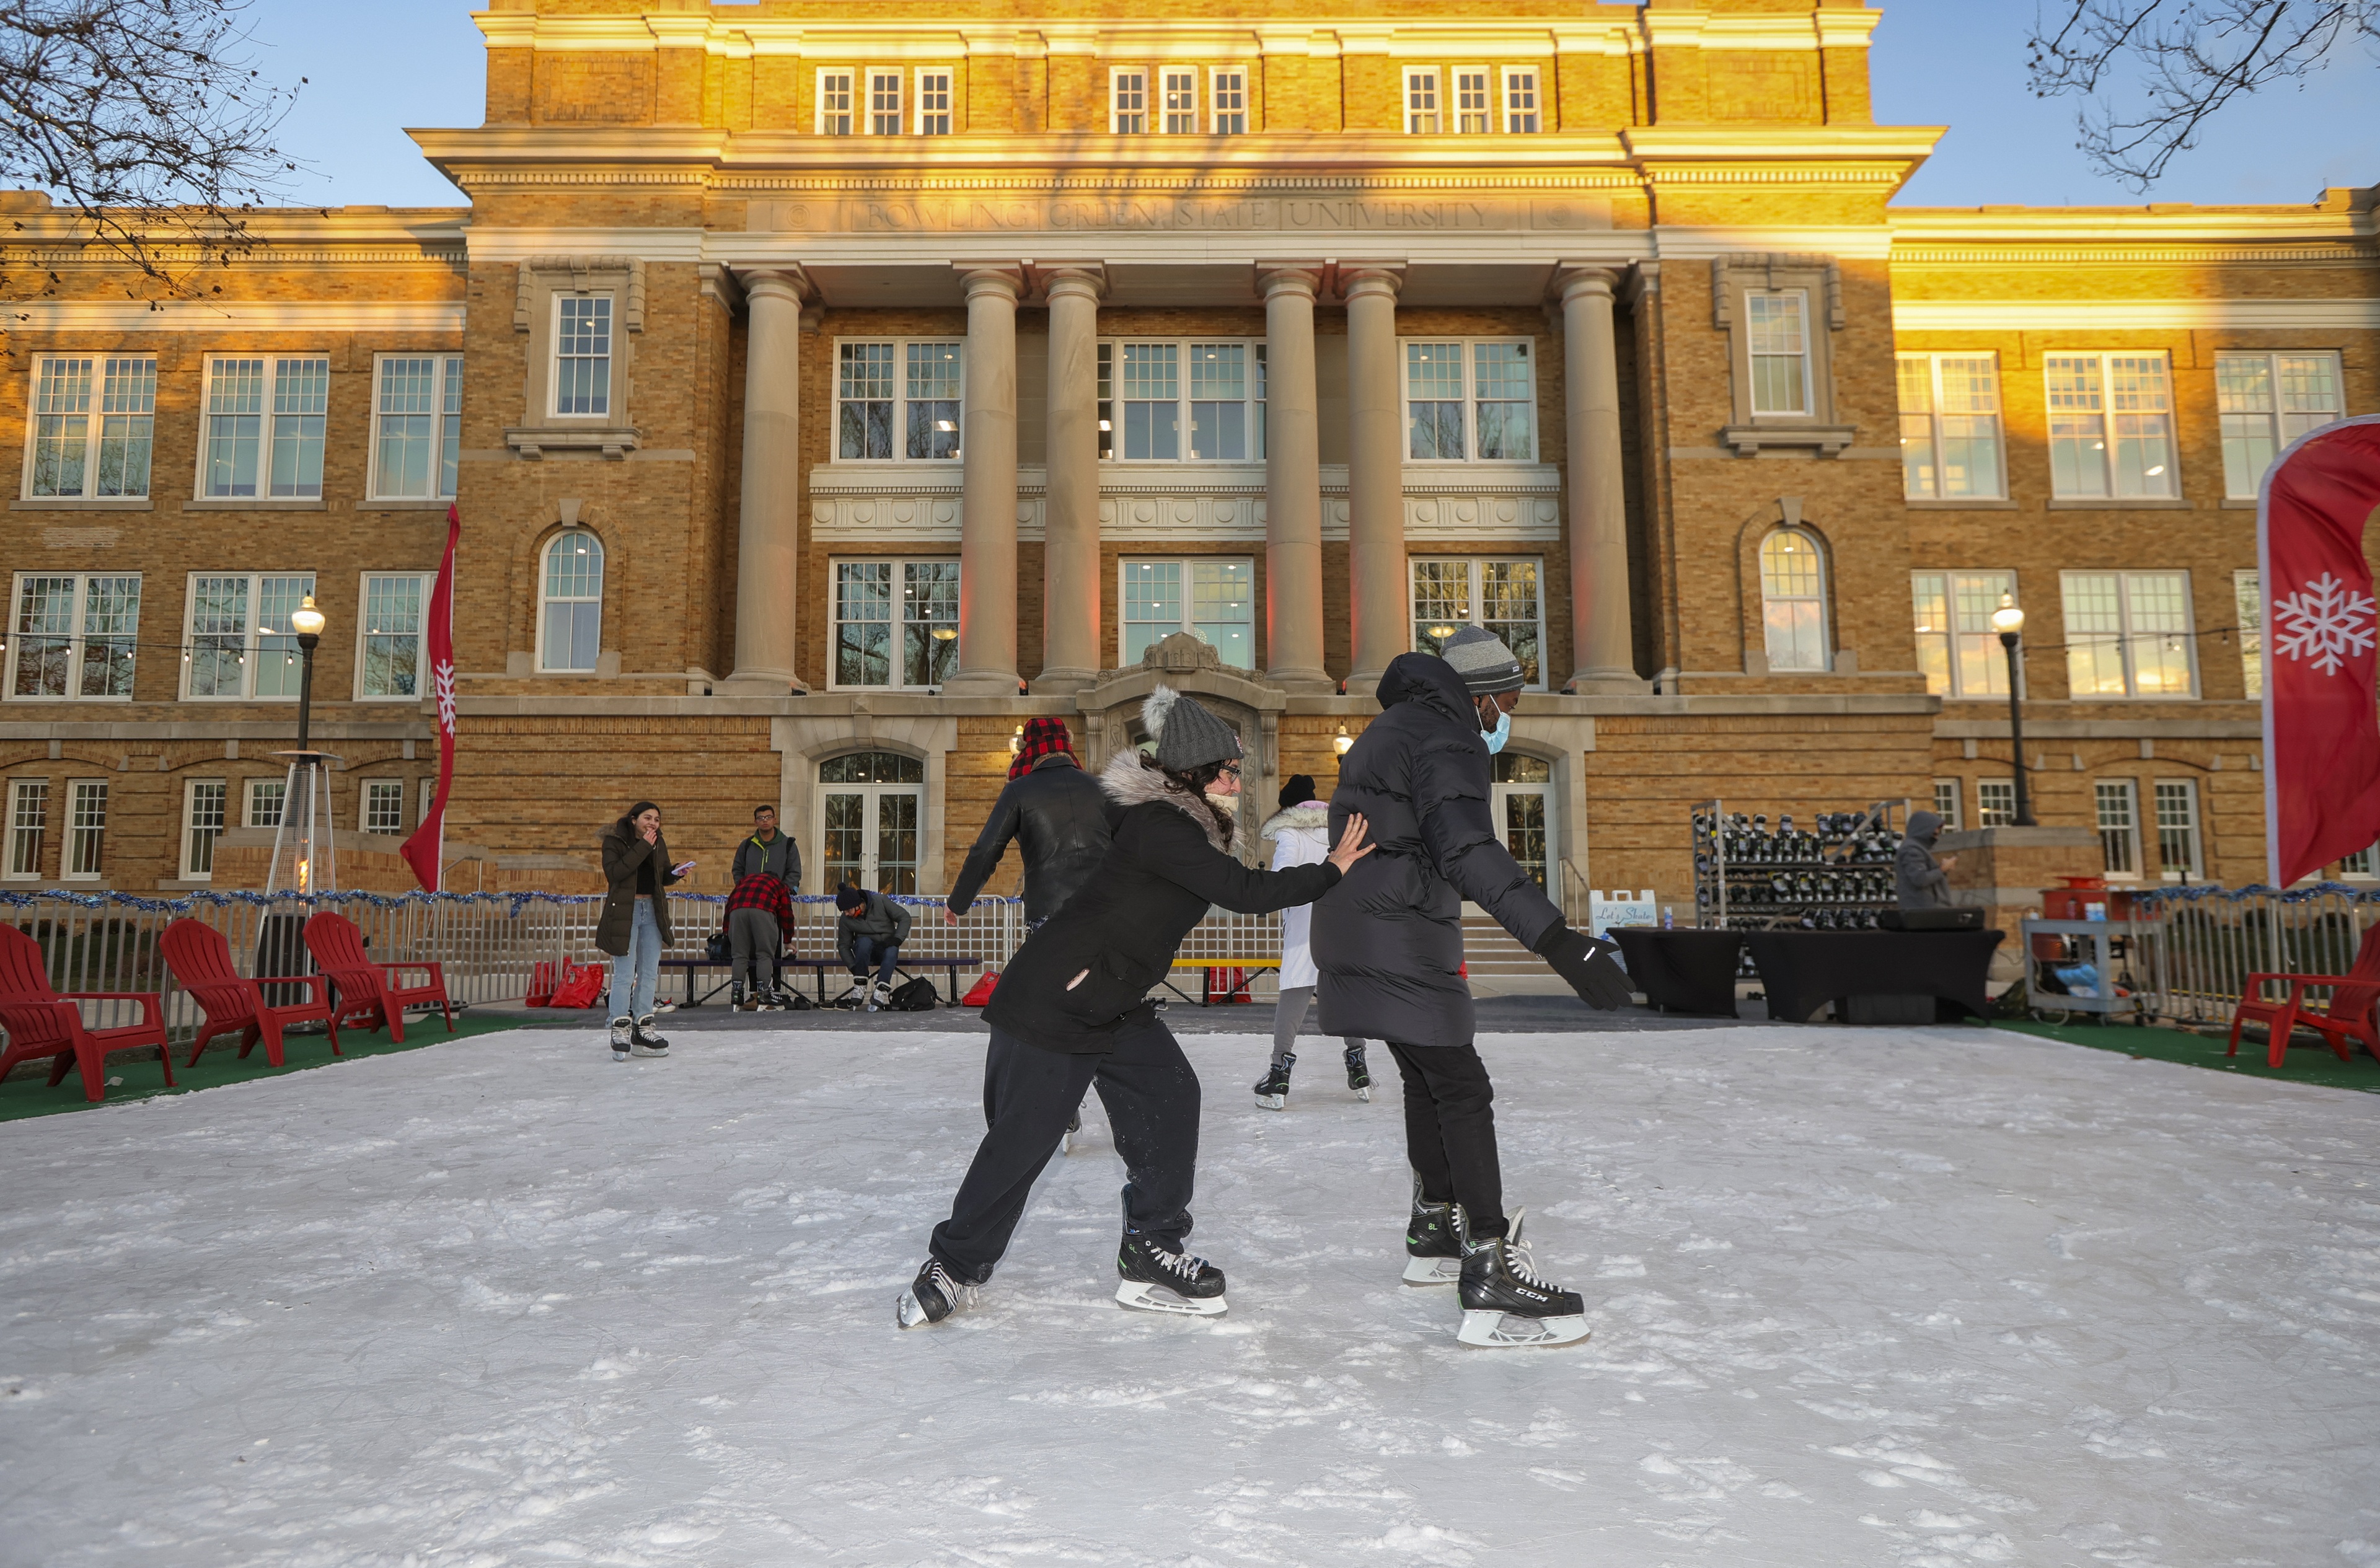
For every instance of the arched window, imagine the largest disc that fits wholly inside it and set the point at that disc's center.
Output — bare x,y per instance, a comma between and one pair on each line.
572,632
1793,596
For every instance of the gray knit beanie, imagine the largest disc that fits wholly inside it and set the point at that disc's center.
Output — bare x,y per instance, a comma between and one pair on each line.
1188,735
1486,665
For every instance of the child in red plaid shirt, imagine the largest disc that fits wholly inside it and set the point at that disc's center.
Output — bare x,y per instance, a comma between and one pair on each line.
759,915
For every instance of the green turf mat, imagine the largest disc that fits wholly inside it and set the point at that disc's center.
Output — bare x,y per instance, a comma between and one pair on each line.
2310,1061
26,1094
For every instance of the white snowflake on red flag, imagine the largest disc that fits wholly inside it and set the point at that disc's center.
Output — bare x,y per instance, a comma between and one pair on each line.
2325,621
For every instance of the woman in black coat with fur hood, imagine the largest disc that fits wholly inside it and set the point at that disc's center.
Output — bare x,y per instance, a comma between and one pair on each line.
1071,1013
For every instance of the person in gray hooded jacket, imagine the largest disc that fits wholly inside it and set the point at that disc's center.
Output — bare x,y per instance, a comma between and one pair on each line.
1918,881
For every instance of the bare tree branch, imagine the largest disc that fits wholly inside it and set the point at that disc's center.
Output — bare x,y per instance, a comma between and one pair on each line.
2153,71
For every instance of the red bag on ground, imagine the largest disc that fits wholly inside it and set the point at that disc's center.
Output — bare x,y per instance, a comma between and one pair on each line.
1225,986
979,993
583,988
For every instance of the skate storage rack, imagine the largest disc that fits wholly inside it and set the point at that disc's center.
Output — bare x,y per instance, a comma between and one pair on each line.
1839,878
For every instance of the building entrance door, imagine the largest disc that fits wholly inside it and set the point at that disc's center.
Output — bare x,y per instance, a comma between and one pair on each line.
1522,796
869,805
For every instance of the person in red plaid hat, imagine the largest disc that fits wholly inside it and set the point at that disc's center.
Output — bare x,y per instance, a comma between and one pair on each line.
1057,812
759,915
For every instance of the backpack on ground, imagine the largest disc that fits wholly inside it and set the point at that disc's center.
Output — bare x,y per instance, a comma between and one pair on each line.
916,996
979,993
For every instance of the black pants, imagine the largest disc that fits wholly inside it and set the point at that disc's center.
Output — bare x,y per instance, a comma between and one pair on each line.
1029,1094
1450,1130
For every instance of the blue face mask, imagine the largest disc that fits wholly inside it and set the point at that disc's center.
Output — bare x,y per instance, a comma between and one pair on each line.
1499,735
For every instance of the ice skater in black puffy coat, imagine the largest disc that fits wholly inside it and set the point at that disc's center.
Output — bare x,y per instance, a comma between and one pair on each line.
1071,1013
1387,942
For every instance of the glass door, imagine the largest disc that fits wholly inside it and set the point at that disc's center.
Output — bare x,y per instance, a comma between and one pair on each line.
1521,800
869,805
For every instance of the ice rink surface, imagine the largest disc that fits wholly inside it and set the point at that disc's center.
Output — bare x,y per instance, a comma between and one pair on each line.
1933,1297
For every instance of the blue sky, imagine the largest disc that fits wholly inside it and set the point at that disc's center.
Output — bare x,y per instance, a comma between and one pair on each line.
375,70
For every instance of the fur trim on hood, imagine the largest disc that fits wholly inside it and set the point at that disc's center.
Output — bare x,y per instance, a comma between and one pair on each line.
1310,814
1131,782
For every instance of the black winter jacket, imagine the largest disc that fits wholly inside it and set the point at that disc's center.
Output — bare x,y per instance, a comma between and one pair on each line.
632,870
1062,816
1168,864
1388,942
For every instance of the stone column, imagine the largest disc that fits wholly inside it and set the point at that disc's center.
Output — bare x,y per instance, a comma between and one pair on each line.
1069,571
987,488
1603,652
1293,484
1375,486
767,535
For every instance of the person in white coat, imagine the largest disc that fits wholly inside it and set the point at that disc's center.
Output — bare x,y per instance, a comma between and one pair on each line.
1301,836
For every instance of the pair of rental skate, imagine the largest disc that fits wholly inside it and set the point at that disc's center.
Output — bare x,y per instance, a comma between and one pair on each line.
1272,1089
1505,1303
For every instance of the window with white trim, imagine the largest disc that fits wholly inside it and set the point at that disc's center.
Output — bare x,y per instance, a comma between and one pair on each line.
934,102
1505,594
884,118
1996,803
73,636
1227,101
1776,336
897,400
429,798
86,452
2181,856
833,116
238,643
1957,648
1946,803
1473,111
1211,597
2265,401
417,426
2110,426
1951,446
202,824
1128,103
1421,101
265,429
2363,866
384,805
1521,100
896,624
1180,102
2249,600
2116,806
264,801
1471,400
571,633
1793,600
85,855
1184,400
2127,633
389,655
582,355
29,825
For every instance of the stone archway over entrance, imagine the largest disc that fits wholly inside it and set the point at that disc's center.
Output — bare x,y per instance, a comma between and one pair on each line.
1110,710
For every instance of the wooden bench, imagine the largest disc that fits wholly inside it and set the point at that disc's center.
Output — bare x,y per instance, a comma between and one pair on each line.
818,967
1250,968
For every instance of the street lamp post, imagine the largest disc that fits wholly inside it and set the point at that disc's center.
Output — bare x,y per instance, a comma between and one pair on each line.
2008,621
304,859
308,622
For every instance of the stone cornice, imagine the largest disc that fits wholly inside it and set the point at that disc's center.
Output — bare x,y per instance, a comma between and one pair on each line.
2312,254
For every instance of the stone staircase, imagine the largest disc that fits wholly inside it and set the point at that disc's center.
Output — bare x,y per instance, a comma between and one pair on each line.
1490,953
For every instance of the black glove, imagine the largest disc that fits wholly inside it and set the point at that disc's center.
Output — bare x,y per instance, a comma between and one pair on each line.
1585,966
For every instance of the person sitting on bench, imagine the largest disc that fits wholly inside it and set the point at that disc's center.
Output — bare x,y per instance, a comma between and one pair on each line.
868,934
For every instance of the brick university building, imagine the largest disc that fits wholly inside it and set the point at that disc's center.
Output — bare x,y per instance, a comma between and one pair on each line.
827,388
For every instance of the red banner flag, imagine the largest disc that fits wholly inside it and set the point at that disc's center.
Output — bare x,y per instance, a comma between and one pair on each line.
425,850
2322,722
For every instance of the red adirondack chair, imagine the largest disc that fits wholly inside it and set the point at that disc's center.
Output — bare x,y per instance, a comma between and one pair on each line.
200,960
369,990
40,1022
2348,1012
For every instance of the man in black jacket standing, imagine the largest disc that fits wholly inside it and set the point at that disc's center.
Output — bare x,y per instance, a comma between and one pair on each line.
1389,944
1059,813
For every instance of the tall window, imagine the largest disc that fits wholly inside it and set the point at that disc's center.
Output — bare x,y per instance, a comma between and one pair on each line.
1996,803
896,623
1150,410
28,824
869,807
1520,797
264,798
74,636
1521,101
1472,109
2127,633
897,399
1473,400
883,103
1128,103
2118,808
2110,426
390,653
573,602
1793,600
1776,336
2267,401
1956,646
2179,860
1504,595
1421,101
202,824
834,103
83,451
264,428
1181,90
1213,598
86,828
1228,102
582,354
1946,803
384,805
418,426
1949,427
934,102
239,642
2250,602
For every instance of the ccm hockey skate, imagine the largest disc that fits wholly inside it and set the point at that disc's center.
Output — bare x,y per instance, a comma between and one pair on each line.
1359,1075
1434,1242
1506,1304
933,1295
1155,1279
1272,1090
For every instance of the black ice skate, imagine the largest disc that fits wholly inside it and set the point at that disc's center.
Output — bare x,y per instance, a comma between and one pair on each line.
1433,1239
642,1041
1506,1304
1272,1093
933,1295
1359,1075
621,1032
1157,1281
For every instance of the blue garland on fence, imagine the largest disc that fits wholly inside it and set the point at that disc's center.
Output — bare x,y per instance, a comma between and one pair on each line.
2195,893
514,902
